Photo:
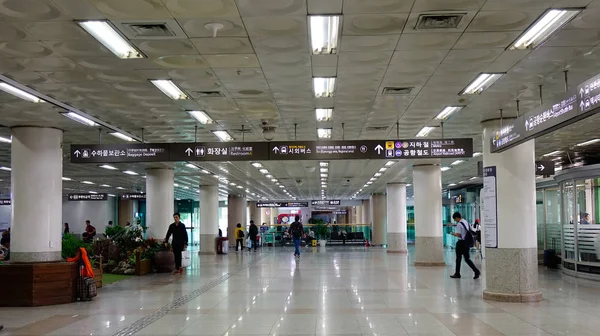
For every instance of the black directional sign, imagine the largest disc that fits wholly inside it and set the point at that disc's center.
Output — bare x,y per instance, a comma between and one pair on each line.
325,202
292,204
340,212
219,151
544,168
589,94
5,202
320,150
133,196
115,153
422,149
88,197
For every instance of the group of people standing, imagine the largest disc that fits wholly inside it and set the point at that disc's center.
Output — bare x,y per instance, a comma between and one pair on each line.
240,235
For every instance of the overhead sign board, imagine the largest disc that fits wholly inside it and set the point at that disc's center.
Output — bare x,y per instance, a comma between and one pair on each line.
116,153
88,197
292,204
219,151
319,150
133,196
544,168
340,212
5,202
326,202
423,149
589,94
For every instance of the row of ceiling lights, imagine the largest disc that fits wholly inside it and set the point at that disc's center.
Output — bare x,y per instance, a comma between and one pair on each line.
324,175
272,178
377,175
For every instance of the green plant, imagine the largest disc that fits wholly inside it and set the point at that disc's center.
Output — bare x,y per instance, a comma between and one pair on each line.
321,230
70,246
114,231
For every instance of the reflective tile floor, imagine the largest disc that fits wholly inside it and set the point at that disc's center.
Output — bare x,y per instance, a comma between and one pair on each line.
335,291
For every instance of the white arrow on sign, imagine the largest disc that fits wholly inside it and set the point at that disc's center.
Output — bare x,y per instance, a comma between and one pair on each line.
189,151
276,149
77,153
581,92
582,105
541,167
378,148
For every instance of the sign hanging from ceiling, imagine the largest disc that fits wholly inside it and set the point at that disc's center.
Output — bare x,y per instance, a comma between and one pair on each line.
292,204
88,197
325,202
263,151
544,168
133,196
5,202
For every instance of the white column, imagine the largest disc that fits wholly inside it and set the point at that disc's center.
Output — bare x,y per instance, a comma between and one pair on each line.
366,213
36,186
359,214
209,218
512,268
427,181
378,214
160,201
396,217
236,213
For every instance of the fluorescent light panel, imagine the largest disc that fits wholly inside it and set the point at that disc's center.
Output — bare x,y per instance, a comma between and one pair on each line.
324,34
457,162
324,133
425,131
129,172
111,39
80,119
445,169
589,142
324,86
545,26
223,135
87,182
476,154
553,153
257,165
448,111
169,89
324,114
324,164
481,83
66,179
19,93
109,167
6,140
121,136
201,116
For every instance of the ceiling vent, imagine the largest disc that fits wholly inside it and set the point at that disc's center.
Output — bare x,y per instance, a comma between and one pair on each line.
439,21
397,90
376,128
209,94
150,29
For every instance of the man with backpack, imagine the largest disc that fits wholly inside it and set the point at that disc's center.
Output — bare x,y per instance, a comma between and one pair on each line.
466,240
253,235
297,232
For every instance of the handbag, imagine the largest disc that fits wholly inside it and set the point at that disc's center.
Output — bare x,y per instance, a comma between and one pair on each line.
185,258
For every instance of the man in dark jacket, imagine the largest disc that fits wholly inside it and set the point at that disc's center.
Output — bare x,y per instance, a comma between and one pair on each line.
253,233
180,241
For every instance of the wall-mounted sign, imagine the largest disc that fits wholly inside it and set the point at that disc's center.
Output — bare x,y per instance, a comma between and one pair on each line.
544,168
88,197
115,153
325,202
5,202
133,196
219,151
292,204
490,207
340,212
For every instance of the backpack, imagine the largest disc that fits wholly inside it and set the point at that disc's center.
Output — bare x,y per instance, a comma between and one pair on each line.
296,230
469,237
240,234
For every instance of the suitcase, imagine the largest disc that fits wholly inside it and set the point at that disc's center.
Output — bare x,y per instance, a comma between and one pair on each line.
86,288
550,259
225,247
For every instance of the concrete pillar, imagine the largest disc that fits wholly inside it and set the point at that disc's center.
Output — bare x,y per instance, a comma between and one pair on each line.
378,213
160,201
209,218
125,211
36,186
366,214
428,215
396,217
255,213
512,269
358,210
236,213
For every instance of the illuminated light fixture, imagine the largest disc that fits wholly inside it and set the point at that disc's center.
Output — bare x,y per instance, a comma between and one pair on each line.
476,154
481,83
546,25
120,188
111,195
323,178
324,114
390,163
93,192
553,153
324,170
324,87
264,171
274,180
425,131
382,169
223,135
111,39
324,133
324,164
105,185
369,183
87,182
109,167
324,34
80,119
408,185
201,116
121,136
257,165
373,179
6,140
281,186
589,142
448,111
269,176
323,175
445,169
66,178
169,89
377,174
193,166
473,178
129,172
452,185
232,184
457,162
19,93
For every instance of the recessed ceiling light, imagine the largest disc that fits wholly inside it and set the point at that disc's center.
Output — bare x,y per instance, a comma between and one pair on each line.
19,93
6,140
324,164
589,142
232,184
264,171
204,171
323,178
87,182
372,179
269,176
382,169
80,119
546,25
66,178
457,162
476,154
425,131
92,192
377,174
324,87
129,172
273,180
324,170
121,136
324,133
445,169
109,167
223,135
390,163
169,89
553,153
369,183
5,168
111,195
120,188
447,112
452,185
257,164
281,186
105,185
481,83
111,39
201,116
324,34
473,178
240,187
323,175
324,115
193,166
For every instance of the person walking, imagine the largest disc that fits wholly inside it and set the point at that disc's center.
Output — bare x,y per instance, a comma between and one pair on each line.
253,234
239,236
297,232
180,240
463,245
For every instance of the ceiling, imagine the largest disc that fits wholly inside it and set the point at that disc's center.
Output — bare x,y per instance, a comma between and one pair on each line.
261,62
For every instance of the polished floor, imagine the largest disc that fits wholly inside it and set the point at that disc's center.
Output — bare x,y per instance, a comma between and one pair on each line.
334,291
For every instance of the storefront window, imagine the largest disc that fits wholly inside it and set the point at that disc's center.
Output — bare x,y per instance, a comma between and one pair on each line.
569,219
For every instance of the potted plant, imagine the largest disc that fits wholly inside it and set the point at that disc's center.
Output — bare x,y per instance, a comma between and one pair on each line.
321,231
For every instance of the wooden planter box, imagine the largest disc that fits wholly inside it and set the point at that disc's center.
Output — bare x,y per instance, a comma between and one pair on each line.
142,267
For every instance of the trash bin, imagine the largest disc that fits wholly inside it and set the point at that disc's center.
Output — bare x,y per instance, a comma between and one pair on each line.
222,245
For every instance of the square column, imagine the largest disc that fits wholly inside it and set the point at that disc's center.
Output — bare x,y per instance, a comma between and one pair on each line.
396,218
429,245
236,213
209,218
378,213
160,201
